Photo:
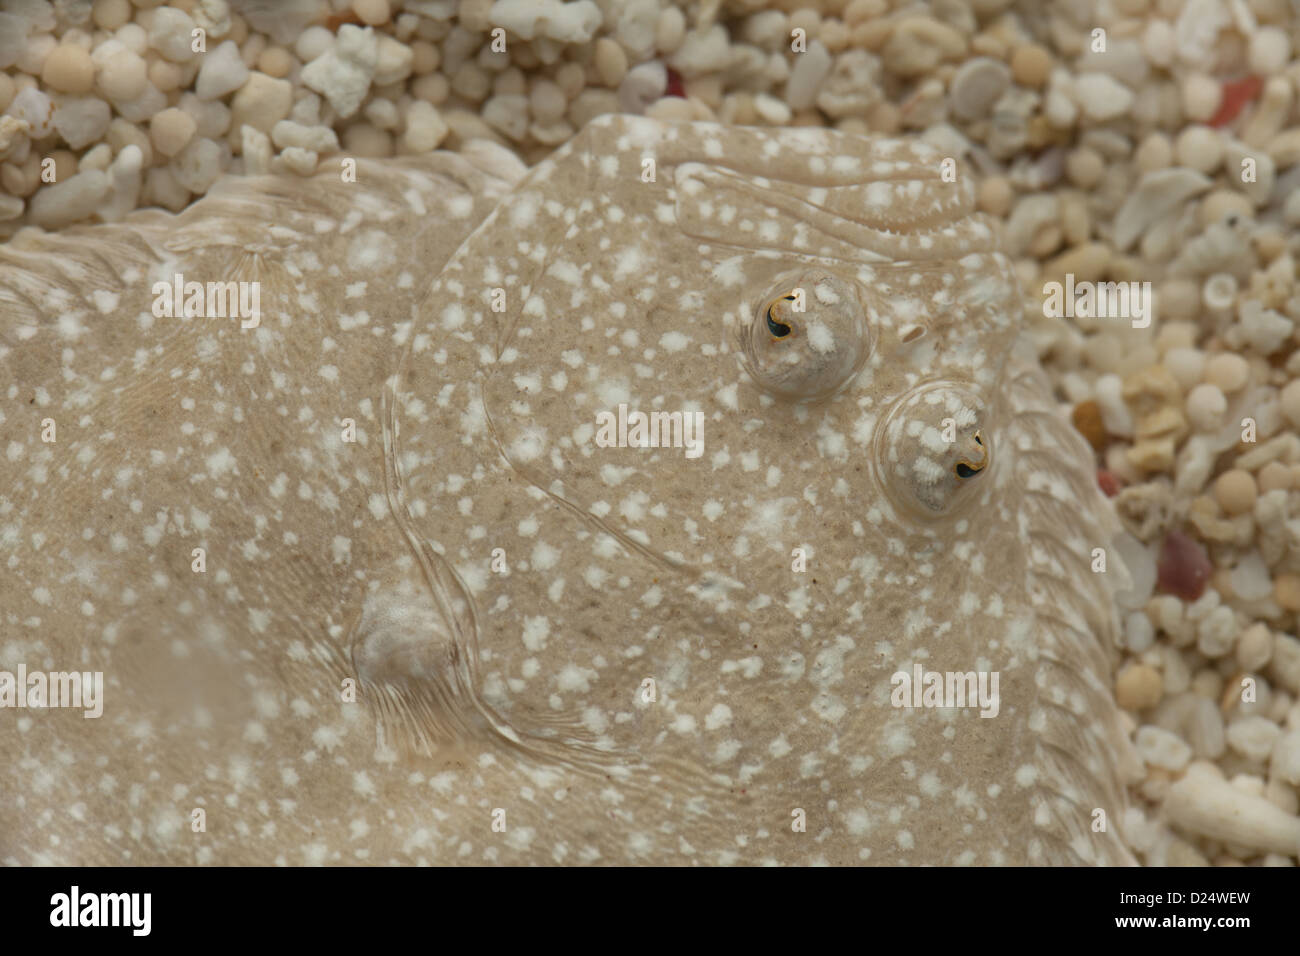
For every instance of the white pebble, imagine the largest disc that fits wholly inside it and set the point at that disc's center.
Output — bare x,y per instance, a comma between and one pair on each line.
69,201
143,107
82,120
1204,804
34,108
125,174
1227,370
1157,42
223,71
97,157
170,34
1114,412
703,51
133,37
1269,51
300,161
1201,97
1199,148
171,131
211,116
1253,737
1102,97
772,110
256,149
382,113
31,59
1205,729
1265,330
197,166
342,74
1139,635
810,71
508,115
425,127
574,22
320,139
1291,402
261,103
1285,762
976,86
1286,662
547,102
312,42
122,74
1251,581
1186,365
1255,646
162,189
635,29
393,61
644,84
11,207
1161,748
670,30
1216,632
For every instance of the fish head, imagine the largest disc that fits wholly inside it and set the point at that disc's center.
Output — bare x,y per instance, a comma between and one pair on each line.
741,415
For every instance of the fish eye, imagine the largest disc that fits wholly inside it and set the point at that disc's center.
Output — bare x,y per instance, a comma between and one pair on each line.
809,336
778,329
931,448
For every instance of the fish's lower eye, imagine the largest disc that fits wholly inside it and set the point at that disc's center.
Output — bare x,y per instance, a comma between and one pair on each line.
964,470
778,330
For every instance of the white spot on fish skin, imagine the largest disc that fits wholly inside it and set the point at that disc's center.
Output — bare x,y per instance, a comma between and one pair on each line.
105,301
544,557
219,463
453,317
674,341
522,210
718,718
536,632
1026,775
628,262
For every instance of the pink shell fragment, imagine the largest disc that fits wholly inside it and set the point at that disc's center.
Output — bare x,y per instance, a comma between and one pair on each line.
1183,568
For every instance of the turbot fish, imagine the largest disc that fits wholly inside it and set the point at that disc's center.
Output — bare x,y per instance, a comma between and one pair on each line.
690,498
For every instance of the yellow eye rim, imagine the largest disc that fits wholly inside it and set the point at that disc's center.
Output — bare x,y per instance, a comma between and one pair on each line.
971,469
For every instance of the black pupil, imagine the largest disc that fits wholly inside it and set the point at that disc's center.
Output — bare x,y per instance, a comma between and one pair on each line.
775,327
964,470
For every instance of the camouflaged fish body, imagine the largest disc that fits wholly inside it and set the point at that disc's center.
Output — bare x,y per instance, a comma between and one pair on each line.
607,652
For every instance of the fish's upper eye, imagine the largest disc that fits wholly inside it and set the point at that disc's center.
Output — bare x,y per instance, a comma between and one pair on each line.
808,339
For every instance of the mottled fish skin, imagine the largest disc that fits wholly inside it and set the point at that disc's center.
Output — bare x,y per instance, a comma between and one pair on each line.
773,686
523,692
222,688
